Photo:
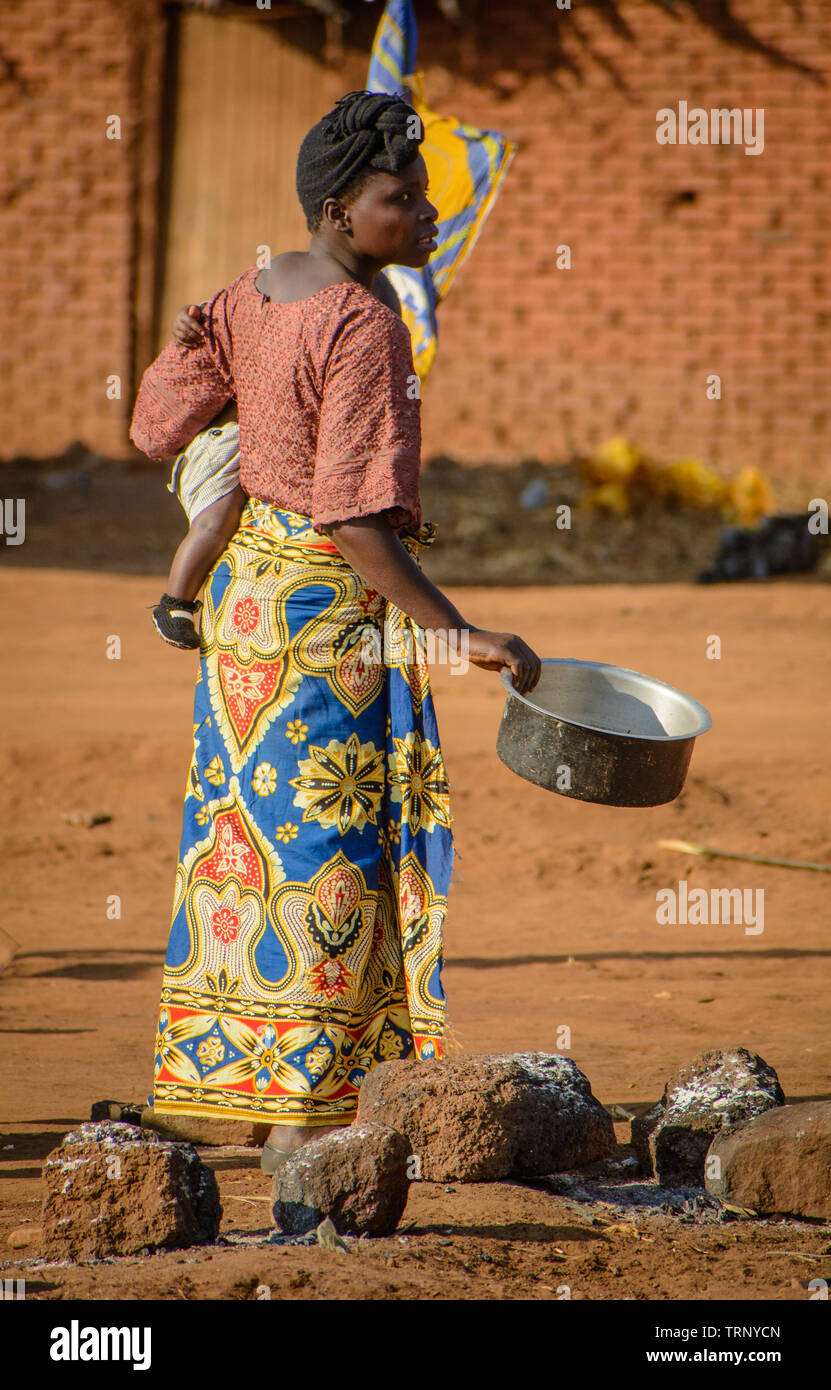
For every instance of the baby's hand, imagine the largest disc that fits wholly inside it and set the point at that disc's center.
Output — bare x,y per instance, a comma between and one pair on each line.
188,326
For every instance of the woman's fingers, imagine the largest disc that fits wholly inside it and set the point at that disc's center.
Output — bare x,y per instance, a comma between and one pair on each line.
525,665
521,675
493,650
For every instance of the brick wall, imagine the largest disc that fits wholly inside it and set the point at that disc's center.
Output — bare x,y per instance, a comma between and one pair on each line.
76,215
664,289
687,260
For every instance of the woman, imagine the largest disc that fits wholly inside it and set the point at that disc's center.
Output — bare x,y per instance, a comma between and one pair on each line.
317,845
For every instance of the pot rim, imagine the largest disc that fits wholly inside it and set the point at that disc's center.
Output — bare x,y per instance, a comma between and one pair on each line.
704,716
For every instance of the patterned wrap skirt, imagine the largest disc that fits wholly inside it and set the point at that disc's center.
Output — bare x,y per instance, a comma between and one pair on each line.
317,849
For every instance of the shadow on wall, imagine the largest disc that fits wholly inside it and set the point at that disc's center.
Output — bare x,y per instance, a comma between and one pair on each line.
485,65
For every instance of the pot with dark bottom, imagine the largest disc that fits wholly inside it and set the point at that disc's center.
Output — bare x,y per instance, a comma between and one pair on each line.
600,733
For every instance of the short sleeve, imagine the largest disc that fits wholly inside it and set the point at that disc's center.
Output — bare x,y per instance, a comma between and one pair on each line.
368,453
182,391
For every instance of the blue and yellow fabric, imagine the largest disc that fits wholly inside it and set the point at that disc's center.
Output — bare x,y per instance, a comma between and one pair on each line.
316,850
465,166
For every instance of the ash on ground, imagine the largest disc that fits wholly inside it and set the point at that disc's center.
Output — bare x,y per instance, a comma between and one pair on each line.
628,1198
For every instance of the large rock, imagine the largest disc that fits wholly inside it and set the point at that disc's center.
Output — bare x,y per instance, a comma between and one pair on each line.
713,1092
113,1189
779,1162
356,1175
482,1118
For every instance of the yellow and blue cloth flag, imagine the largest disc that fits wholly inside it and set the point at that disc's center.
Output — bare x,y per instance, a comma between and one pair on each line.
465,167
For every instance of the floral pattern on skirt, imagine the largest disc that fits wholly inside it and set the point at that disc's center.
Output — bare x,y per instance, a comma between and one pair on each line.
317,849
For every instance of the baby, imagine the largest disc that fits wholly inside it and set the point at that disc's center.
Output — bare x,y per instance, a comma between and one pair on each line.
205,479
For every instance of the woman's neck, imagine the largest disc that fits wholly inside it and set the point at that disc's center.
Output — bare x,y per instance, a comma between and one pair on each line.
353,267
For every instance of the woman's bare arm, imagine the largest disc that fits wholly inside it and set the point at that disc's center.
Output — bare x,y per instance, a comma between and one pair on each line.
376,553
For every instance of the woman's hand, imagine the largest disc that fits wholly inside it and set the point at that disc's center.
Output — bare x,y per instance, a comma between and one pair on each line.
188,326
493,650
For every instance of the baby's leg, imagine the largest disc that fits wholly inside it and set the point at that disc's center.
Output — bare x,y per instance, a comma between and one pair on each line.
208,536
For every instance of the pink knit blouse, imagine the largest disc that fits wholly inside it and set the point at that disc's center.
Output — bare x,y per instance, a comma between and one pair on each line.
327,395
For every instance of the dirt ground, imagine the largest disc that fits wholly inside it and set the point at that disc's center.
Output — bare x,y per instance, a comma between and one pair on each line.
552,922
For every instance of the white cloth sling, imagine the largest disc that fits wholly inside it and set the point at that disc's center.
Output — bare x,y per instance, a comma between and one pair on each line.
207,469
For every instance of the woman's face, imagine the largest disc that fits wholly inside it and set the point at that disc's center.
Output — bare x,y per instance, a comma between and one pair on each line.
390,216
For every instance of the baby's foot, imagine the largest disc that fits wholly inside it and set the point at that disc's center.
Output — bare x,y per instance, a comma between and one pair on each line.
173,620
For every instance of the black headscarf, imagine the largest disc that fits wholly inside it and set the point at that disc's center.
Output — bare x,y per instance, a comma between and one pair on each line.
364,129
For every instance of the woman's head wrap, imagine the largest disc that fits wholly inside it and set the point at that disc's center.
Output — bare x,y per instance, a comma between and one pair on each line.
364,130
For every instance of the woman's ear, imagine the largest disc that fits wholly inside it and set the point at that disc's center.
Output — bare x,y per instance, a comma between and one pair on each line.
336,213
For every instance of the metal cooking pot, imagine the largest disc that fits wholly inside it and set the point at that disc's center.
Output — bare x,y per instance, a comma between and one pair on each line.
600,733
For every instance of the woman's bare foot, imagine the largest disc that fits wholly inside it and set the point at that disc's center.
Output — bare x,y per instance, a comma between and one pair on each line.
289,1138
